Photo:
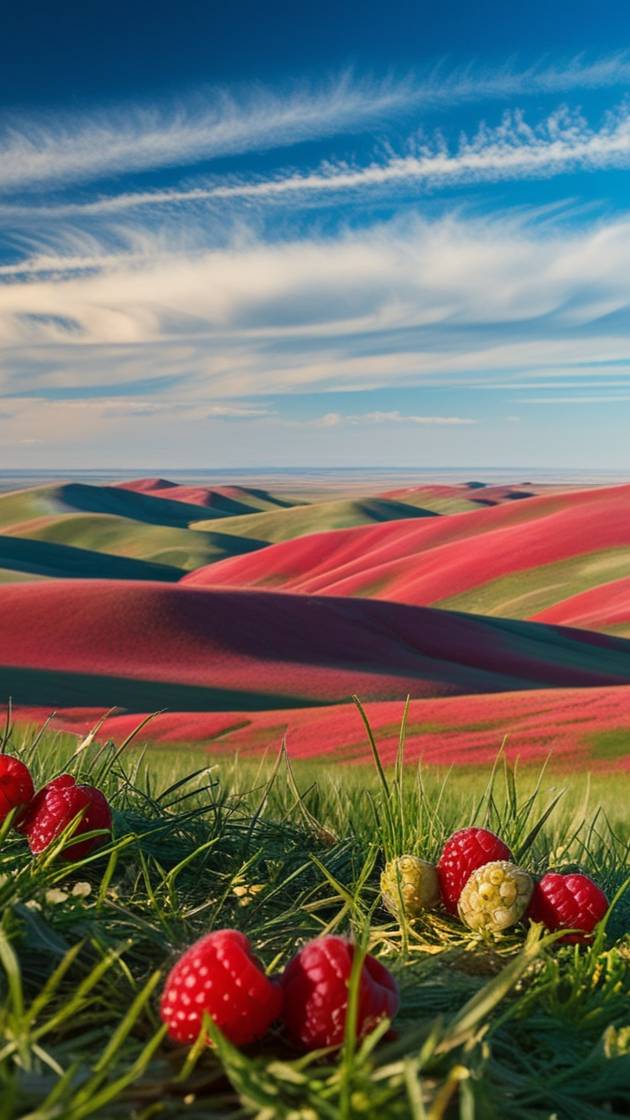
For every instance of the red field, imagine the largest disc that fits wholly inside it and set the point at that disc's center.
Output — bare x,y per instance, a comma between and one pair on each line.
424,561
274,649
602,608
588,729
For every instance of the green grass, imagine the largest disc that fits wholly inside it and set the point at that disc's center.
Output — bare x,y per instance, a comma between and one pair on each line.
611,744
440,504
18,506
180,548
301,521
20,557
523,594
517,1028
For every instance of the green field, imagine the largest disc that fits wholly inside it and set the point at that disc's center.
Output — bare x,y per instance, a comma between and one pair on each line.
165,539
516,1028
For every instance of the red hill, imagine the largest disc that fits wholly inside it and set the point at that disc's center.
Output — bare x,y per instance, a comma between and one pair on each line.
206,497
224,499
601,608
151,645
425,561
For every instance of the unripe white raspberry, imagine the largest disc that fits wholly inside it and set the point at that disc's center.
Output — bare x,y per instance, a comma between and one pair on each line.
413,882
495,897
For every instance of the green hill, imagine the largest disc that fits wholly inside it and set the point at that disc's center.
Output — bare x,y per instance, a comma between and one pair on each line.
24,558
320,517
181,548
80,519
17,507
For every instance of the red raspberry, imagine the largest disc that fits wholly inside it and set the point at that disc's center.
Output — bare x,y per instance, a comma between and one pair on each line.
462,854
16,785
568,902
315,984
55,806
218,975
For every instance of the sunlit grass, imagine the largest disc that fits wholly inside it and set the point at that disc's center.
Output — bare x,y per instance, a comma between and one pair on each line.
284,852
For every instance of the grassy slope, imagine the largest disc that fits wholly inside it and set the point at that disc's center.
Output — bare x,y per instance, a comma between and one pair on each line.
300,521
181,548
138,525
509,1038
49,559
115,522
22,506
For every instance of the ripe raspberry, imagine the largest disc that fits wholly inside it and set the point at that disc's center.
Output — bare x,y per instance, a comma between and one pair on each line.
495,897
315,985
55,806
16,785
462,854
568,902
412,882
219,976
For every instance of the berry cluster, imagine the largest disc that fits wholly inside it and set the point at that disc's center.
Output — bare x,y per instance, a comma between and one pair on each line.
43,816
219,977
476,878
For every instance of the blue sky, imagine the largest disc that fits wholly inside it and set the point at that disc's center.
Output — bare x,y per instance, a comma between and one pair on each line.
315,234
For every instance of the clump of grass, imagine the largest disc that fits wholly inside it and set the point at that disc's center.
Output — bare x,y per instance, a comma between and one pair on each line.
521,1028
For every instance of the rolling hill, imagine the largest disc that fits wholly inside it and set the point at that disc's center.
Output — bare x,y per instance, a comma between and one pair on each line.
248,615
130,521
228,500
301,521
45,559
181,549
153,645
513,560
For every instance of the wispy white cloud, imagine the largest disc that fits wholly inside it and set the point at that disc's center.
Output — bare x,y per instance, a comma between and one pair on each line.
393,304
570,398
562,142
89,146
542,78
53,150
394,416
